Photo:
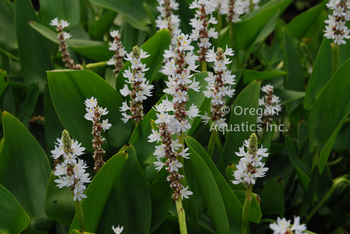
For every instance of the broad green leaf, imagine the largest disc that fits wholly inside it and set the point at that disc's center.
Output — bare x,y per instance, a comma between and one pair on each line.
13,217
254,210
269,27
161,202
321,74
210,192
99,191
132,11
35,51
301,23
101,26
250,75
232,204
8,41
242,123
303,171
95,50
69,90
59,205
144,148
28,185
29,103
272,197
308,201
4,81
68,10
131,36
162,39
287,96
329,113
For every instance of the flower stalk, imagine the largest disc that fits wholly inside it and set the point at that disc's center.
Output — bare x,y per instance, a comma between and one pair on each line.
79,213
335,57
246,207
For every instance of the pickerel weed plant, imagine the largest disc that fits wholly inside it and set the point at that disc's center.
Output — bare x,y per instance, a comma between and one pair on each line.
169,116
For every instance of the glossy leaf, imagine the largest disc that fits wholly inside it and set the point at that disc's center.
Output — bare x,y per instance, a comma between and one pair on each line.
20,149
29,104
250,75
101,26
34,60
232,204
329,113
321,74
4,81
68,10
13,217
300,24
132,11
8,40
248,98
162,39
95,50
272,197
287,96
99,191
303,171
210,192
254,210
69,90
59,205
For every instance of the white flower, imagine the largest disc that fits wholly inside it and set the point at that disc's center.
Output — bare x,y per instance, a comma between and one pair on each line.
126,117
54,22
174,166
297,227
125,91
193,111
159,165
184,153
91,103
124,107
118,229
106,125
155,136
66,35
281,226
205,118
185,193
78,195
114,33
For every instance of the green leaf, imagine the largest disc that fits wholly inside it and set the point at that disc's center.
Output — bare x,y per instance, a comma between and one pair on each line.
248,98
288,95
99,191
321,74
29,104
254,210
59,205
69,90
13,217
162,39
4,81
8,39
232,204
329,113
301,23
132,11
35,56
95,50
250,75
101,26
68,10
27,185
210,192
272,197
303,171
161,202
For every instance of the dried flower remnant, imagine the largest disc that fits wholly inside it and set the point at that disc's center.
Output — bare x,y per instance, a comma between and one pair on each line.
62,36
216,89
93,114
336,28
117,47
271,104
201,23
283,226
140,87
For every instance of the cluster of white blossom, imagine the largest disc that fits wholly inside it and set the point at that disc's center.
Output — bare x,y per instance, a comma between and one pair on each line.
283,226
271,104
62,36
169,150
200,25
71,171
336,28
117,47
140,87
250,166
216,89
167,19
233,9
118,229
247,5
94,111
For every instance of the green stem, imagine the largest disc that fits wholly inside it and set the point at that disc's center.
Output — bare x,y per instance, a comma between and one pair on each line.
219,144
315,156
335,57
246,206
251,6
218,26
336,182
79,213
96,65
179,208
204,66
212,141
231,34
